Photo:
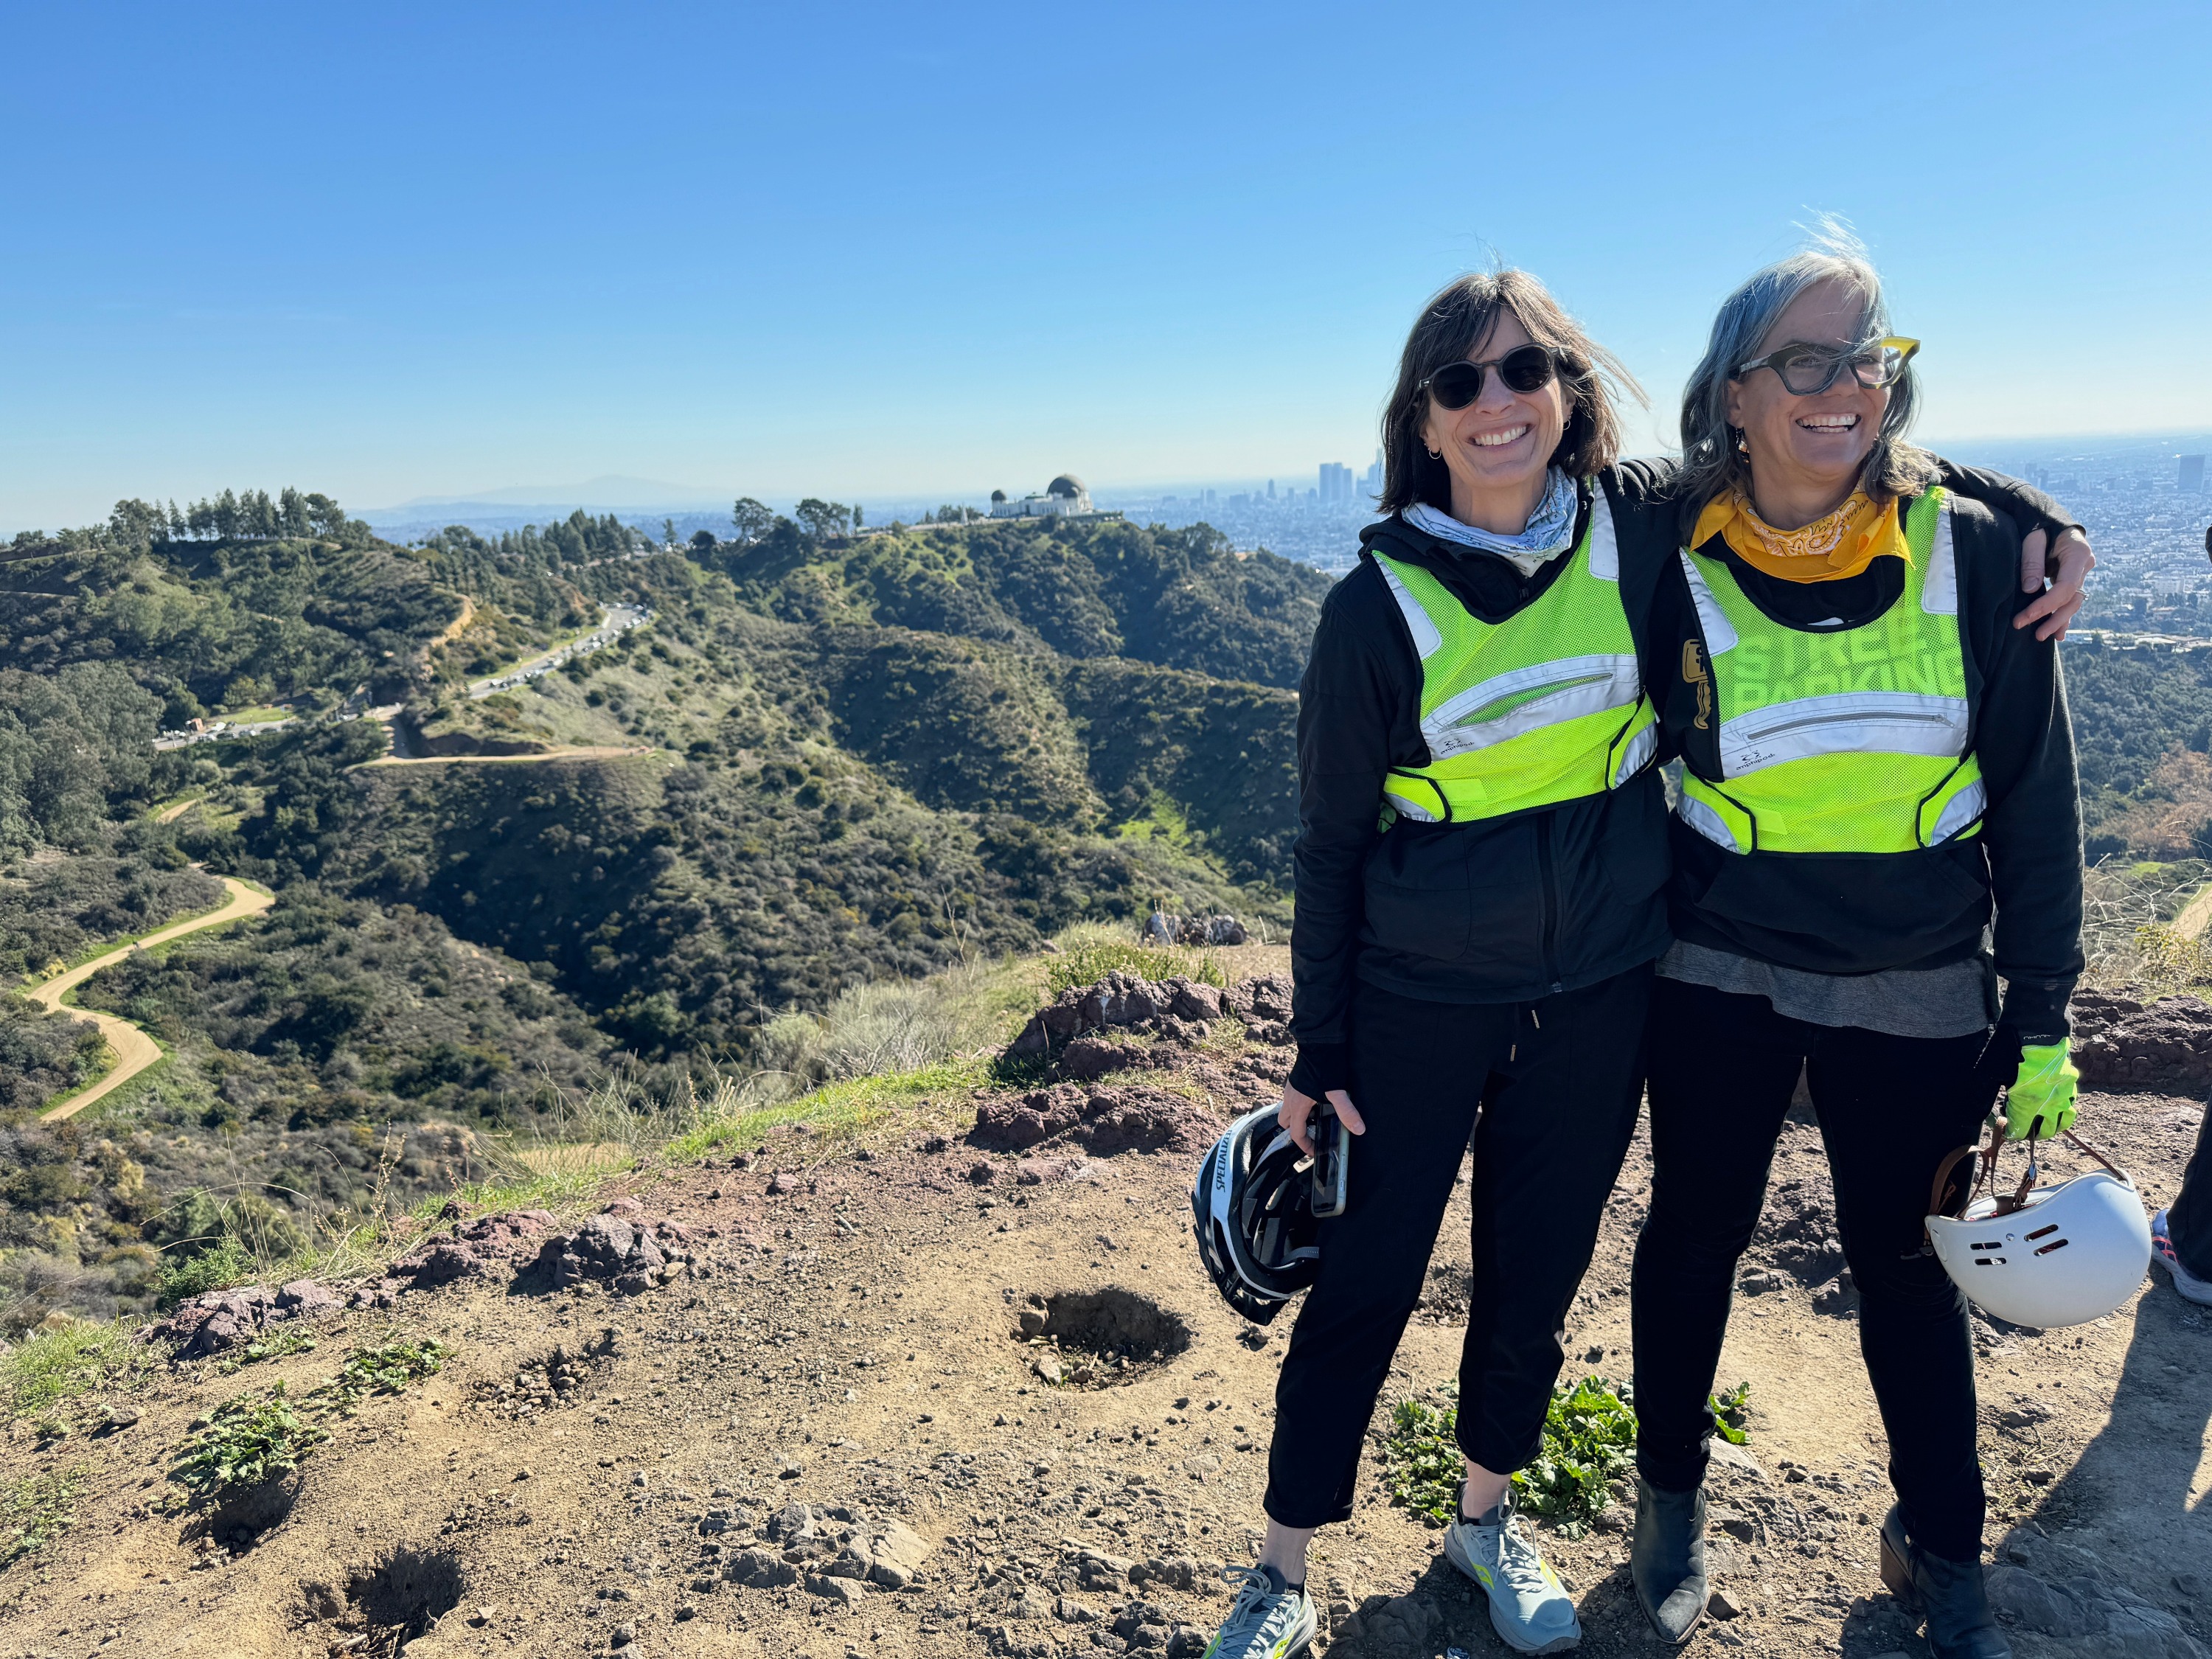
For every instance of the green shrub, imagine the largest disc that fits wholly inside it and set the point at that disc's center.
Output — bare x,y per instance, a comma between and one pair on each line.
1088,955
57,1366
251,1439
1590,1438
387,1369
37,1510
223,1264
1729,1410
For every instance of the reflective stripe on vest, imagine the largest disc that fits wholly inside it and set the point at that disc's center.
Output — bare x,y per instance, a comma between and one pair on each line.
1543,707
1854,741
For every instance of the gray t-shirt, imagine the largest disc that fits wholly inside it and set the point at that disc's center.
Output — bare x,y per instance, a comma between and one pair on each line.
1957,999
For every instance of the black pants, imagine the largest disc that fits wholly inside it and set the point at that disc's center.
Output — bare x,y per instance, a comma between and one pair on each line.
1722,1070
1555,1083
2189,1218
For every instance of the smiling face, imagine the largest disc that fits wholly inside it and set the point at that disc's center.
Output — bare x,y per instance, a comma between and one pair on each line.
1805,451
1497,448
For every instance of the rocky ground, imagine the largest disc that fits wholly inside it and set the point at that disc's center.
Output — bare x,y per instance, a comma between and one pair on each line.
959,1388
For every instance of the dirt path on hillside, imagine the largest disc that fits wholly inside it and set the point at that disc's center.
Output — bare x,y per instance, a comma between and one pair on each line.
567,751
134,1050
849,1340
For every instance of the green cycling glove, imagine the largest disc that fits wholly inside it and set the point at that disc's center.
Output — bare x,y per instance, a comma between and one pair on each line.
2041,1099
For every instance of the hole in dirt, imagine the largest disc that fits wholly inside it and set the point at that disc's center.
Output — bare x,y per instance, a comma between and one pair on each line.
1098,1338
401,1597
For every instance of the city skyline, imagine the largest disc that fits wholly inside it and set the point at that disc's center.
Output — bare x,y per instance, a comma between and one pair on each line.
635,246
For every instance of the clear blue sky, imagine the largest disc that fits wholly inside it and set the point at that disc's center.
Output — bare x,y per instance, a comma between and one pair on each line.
411,250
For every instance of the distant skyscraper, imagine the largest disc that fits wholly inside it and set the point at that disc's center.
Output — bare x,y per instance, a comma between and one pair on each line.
1271,489
2192,473
1335,482
1370,483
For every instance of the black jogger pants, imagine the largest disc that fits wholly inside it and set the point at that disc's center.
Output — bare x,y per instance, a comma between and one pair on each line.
1723,1068
1557,1084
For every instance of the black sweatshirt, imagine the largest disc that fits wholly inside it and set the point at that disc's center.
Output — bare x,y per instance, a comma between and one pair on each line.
1854,913
1509,909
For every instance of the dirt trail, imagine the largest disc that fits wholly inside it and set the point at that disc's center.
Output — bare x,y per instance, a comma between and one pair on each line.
171,814
849,1339
570,751
134,1050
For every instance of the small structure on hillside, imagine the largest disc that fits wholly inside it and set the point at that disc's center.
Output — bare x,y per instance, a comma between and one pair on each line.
1065,497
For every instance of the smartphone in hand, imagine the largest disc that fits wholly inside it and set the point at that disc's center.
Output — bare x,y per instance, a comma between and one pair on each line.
1332,1153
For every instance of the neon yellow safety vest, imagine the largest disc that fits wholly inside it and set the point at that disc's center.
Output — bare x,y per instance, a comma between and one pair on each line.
1543,707
1855,741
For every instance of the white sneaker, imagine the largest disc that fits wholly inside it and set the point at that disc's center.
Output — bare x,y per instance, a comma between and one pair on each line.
1529,1607
1270,1621
2161,1251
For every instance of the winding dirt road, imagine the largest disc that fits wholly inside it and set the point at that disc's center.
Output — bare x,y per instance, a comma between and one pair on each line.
134,1050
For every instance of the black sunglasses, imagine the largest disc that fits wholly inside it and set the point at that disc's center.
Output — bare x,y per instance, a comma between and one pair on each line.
1523,369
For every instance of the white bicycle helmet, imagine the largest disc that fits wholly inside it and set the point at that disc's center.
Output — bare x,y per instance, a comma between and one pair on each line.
2042,1256
1252,1205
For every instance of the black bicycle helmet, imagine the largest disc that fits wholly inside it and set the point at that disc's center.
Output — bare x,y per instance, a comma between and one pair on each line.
1252,1207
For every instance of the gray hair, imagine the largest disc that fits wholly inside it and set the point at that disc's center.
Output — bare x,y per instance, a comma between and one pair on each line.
1711,463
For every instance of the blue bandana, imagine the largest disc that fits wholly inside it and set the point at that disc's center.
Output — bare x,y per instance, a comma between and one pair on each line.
1549,532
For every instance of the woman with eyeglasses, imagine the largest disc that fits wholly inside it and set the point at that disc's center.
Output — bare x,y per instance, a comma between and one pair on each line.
1481,869
1876,759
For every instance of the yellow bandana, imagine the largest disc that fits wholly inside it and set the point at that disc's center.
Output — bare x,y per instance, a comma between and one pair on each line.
1842,544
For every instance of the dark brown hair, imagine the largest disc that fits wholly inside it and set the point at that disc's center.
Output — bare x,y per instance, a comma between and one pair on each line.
1454,322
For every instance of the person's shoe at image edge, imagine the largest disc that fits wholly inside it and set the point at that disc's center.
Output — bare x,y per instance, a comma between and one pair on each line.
1272,1619
1529,1607
1667,1560
2190,1287
1950,1593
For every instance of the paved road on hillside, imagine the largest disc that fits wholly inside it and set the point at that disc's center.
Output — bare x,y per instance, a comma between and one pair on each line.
134,1050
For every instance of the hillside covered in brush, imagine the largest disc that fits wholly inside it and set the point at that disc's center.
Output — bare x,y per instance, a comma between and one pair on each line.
823,765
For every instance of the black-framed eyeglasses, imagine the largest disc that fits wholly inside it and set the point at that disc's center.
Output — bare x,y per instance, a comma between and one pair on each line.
1810,370
1524,368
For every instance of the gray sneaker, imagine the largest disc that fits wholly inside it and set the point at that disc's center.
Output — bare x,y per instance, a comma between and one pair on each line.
1529,1607
1270,1621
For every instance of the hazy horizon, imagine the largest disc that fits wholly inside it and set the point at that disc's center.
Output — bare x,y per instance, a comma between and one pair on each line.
1194,258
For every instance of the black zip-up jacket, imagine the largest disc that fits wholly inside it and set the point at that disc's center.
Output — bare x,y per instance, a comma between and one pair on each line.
1509,909
1857,912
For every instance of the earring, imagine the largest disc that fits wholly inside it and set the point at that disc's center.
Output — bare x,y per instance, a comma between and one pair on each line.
1436,454
1742,444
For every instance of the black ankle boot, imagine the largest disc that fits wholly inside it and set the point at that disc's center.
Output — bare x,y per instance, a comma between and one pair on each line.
1950,1593
1668,1560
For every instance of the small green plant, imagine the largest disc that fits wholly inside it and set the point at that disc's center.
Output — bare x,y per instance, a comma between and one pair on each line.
1590,1438
37,1510
1422,1464
56,1366
1086,961
274,1345
1729,1410
223,1264
251,1439
387,1369
255,1437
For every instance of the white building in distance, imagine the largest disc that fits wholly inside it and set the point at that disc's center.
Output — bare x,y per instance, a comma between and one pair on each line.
1065,497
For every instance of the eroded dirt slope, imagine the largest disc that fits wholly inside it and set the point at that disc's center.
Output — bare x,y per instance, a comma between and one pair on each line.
832,1431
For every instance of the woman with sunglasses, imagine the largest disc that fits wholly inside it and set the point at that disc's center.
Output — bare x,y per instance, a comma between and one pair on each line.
1875,757
1481,882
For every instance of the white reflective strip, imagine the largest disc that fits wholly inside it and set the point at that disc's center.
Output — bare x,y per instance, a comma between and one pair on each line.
1960,812
1720,633
1414,809
1848,723
1224,1151
1427,640
1939,588
1707,822
1638,752
1586,685
1604,541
